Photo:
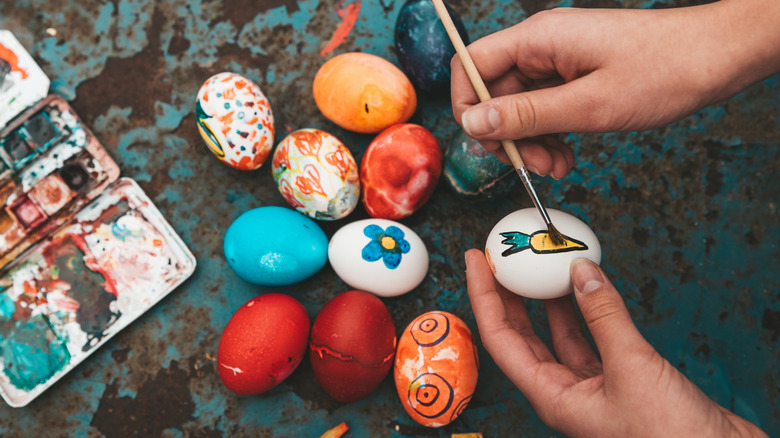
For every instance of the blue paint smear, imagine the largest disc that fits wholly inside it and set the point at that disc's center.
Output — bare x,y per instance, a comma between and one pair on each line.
32,352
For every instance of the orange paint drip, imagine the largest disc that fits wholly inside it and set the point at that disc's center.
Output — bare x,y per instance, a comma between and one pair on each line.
13,60
349,15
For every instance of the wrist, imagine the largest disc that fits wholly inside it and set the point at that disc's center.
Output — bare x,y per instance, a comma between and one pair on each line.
750,42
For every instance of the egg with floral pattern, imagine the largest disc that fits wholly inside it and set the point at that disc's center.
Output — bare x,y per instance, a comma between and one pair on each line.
379,256
316,174
235,119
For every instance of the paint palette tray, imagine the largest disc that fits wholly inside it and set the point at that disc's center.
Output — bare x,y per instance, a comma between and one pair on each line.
72,291
50,166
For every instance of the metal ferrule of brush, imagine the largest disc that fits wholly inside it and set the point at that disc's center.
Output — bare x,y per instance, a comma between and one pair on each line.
529,187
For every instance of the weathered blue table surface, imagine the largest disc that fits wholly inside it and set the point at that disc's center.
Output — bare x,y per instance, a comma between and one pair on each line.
686,216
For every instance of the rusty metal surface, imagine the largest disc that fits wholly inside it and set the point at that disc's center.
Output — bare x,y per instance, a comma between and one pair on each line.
686,217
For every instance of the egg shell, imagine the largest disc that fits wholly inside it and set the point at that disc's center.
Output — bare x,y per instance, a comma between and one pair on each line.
235,119
352,345
316,174
275,246
262,344
399,171
379,256
423,46
363,92
436,368
474,173
526,262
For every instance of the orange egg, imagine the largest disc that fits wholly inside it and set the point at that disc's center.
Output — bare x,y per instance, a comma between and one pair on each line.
436,368
363,92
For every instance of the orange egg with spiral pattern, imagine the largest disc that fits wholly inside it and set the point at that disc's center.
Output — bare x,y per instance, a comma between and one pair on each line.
436,368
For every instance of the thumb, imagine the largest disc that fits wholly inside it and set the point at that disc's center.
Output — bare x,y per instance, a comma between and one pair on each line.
605,313
570,107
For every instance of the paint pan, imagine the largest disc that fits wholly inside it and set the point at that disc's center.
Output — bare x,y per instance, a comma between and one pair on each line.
53,163
71,292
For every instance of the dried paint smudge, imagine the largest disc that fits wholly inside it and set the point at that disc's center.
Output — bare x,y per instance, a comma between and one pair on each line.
349,15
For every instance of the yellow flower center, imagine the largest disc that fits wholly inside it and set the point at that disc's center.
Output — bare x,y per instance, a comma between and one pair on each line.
388,242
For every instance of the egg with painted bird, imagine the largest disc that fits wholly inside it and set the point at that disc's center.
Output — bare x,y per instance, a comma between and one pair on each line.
262,344
436,368
275,246
352,345
379,256
526,261
399,171
423,46
363,93
474,173
235,119
316,174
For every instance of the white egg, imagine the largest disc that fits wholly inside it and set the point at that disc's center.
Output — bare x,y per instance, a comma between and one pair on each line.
379,256
526,262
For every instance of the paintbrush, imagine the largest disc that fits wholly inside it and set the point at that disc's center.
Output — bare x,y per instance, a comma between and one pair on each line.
509,146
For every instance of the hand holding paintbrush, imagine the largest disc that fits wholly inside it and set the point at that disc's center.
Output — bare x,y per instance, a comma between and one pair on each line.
482,92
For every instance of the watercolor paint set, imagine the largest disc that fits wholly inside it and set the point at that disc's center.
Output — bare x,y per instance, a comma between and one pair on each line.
83,253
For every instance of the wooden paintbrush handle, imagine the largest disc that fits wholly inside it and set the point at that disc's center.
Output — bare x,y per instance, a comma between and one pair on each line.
473,74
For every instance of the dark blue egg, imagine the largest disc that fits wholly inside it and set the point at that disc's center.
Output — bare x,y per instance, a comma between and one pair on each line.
423,47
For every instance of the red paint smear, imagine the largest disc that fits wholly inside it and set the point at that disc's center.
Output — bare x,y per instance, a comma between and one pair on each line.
349,15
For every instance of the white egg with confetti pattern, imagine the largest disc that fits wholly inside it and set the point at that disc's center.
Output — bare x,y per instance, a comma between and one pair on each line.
379,256
526,261
316,174
235,119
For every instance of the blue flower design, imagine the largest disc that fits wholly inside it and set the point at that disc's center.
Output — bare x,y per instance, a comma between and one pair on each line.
387,245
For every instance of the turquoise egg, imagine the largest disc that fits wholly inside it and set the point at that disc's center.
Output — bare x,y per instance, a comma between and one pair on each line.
275,246
474,173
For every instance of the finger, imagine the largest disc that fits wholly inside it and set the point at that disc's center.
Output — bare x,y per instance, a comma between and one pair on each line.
575,106
554,142
511,82
606,315
518,318
536,156
559,165
571,346
508,348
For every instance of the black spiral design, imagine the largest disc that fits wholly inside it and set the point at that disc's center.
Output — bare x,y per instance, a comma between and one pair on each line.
430,329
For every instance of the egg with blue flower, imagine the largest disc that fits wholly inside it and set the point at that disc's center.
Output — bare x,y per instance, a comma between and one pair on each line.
235,120
380,256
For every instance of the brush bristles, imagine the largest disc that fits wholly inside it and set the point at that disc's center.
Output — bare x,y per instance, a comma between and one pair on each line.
555,236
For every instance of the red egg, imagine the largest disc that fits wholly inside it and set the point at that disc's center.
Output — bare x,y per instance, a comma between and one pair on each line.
262,344
399,171
352,345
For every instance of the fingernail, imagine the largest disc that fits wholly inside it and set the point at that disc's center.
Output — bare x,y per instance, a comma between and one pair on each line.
585,275
480,121
533,169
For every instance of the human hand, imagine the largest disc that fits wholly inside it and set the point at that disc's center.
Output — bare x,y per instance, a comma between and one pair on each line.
602,70
631,391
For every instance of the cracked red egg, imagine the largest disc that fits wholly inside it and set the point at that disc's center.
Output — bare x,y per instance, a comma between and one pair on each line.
263,343
352,345
399,171
436,368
